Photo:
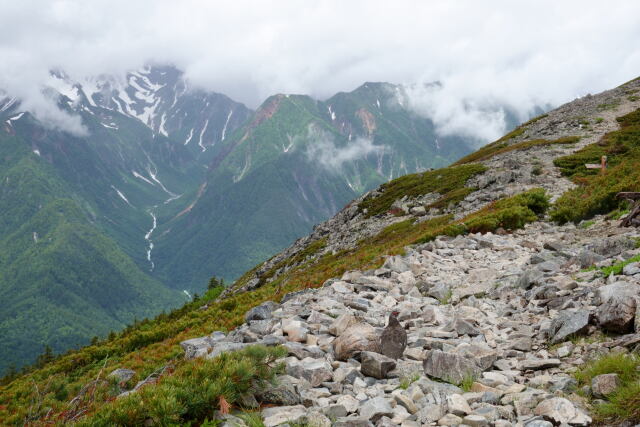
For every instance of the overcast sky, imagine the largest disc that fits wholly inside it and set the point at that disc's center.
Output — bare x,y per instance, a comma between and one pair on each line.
485,53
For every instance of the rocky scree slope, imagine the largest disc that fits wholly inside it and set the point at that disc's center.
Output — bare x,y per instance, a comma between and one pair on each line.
507,167
494,327
498,317
501,316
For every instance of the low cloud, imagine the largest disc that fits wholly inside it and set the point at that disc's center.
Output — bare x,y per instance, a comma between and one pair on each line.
45,109
455,113
485,55
322,149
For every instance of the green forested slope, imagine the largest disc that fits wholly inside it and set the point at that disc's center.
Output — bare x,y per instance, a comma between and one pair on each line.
295,163
62,279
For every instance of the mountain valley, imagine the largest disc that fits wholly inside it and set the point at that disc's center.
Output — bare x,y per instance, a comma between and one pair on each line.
166,185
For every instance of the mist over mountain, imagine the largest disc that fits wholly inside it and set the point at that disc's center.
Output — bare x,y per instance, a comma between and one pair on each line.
149,185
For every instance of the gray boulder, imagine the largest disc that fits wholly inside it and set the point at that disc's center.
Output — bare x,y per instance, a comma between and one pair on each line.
612,246
465,327
440,291
548,266
605,384
376,408
531,277
561,411
587,258
261,312
352,421
631,269
475,421
196,347
568,323
283,414
418,211
375,365
313,370
224,347
302,351
397,264
356,338
283,393
122,375
618,307
449,367
342,323
429,413
482,355
538,364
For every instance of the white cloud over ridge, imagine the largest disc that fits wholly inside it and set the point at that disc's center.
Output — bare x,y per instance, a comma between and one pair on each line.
322,149
484,53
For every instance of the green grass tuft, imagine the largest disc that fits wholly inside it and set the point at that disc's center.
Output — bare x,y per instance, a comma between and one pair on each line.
626,366
467,383
616,268
252,419
405,382
447,297
586,224
447,181
623,406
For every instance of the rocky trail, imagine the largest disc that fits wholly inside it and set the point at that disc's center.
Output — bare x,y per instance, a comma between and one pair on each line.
494,325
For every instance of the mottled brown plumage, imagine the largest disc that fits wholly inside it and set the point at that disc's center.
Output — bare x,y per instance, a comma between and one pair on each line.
393,340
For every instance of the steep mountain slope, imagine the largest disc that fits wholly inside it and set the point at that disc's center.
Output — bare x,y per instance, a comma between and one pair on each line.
62,279
184,183
78,213
295,163
524,287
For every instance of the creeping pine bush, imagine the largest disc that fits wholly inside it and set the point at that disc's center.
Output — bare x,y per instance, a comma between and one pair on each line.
193,392
510,213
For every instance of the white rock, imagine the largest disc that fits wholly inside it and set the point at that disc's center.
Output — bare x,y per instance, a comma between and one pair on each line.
458,405
450,420
374,409
562,410
283,414
350,403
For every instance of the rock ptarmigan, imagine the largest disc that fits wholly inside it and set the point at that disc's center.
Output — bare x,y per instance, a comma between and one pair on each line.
393,340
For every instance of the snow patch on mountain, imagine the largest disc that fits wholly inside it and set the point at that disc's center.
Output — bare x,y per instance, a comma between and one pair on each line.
137,175
189,137
224,129
122,196
204,129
